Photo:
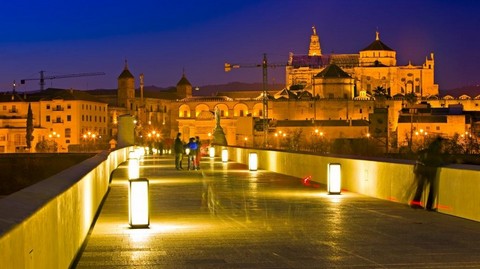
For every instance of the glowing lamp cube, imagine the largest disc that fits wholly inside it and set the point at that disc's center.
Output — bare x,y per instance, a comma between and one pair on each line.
334,178
224,155
132,154
138,207
133,168
252,161
211,152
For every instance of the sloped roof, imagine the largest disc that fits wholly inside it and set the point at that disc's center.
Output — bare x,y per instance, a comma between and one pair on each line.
285,93
332,71
377,45
10,97
184,81
345,60
126,73
316,61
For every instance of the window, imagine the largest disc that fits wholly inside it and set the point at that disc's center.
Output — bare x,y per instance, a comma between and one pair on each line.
19,140
241,113
90,118
68,132
4,107
69,117
417,88
69,106
48,106
47,118
95,118
83,117
360,110
2,138
437,128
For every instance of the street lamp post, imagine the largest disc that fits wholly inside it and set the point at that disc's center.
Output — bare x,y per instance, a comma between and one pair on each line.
53,136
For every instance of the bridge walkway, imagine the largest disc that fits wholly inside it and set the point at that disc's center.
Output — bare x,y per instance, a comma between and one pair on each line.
224,216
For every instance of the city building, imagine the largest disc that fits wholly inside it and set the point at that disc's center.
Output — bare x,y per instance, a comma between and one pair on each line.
335,96
374,66
61,119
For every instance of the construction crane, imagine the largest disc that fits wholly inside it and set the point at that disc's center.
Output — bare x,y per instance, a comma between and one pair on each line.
43,77
265,66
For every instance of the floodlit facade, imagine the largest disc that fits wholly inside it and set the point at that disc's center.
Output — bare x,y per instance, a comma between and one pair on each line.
62,117
374,66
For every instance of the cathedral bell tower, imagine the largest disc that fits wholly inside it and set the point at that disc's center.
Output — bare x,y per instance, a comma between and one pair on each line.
126,88
314,49
184,88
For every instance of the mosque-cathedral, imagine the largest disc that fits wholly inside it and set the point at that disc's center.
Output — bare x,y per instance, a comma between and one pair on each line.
334,95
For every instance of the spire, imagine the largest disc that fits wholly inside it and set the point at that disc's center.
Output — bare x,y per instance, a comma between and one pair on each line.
314,49
126,65
377,35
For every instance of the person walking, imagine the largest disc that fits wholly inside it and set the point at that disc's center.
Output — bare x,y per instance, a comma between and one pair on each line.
199,152
178,148
192,146
425,173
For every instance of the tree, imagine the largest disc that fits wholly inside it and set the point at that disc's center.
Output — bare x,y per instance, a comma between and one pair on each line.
29,135
411,99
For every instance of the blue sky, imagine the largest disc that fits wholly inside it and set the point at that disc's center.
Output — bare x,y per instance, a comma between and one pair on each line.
162,38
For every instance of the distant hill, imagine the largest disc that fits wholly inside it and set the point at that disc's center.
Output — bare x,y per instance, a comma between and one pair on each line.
209,90
472,91
233,86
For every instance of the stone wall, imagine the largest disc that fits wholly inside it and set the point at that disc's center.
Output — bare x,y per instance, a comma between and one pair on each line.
458,186
45,225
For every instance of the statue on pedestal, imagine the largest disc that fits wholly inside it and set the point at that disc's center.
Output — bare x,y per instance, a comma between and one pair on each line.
218,134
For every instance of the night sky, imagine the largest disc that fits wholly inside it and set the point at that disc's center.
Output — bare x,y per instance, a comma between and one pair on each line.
163,38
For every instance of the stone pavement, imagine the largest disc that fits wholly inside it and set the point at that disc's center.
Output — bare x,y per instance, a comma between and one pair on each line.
224,216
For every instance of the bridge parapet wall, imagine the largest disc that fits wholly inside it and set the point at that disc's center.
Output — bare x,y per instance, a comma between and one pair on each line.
458,186
45,225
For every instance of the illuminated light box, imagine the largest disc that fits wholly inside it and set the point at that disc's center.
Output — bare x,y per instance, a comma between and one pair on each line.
187,151
133,168
334,178
211,152
252,161
132,155
224,155
138,207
